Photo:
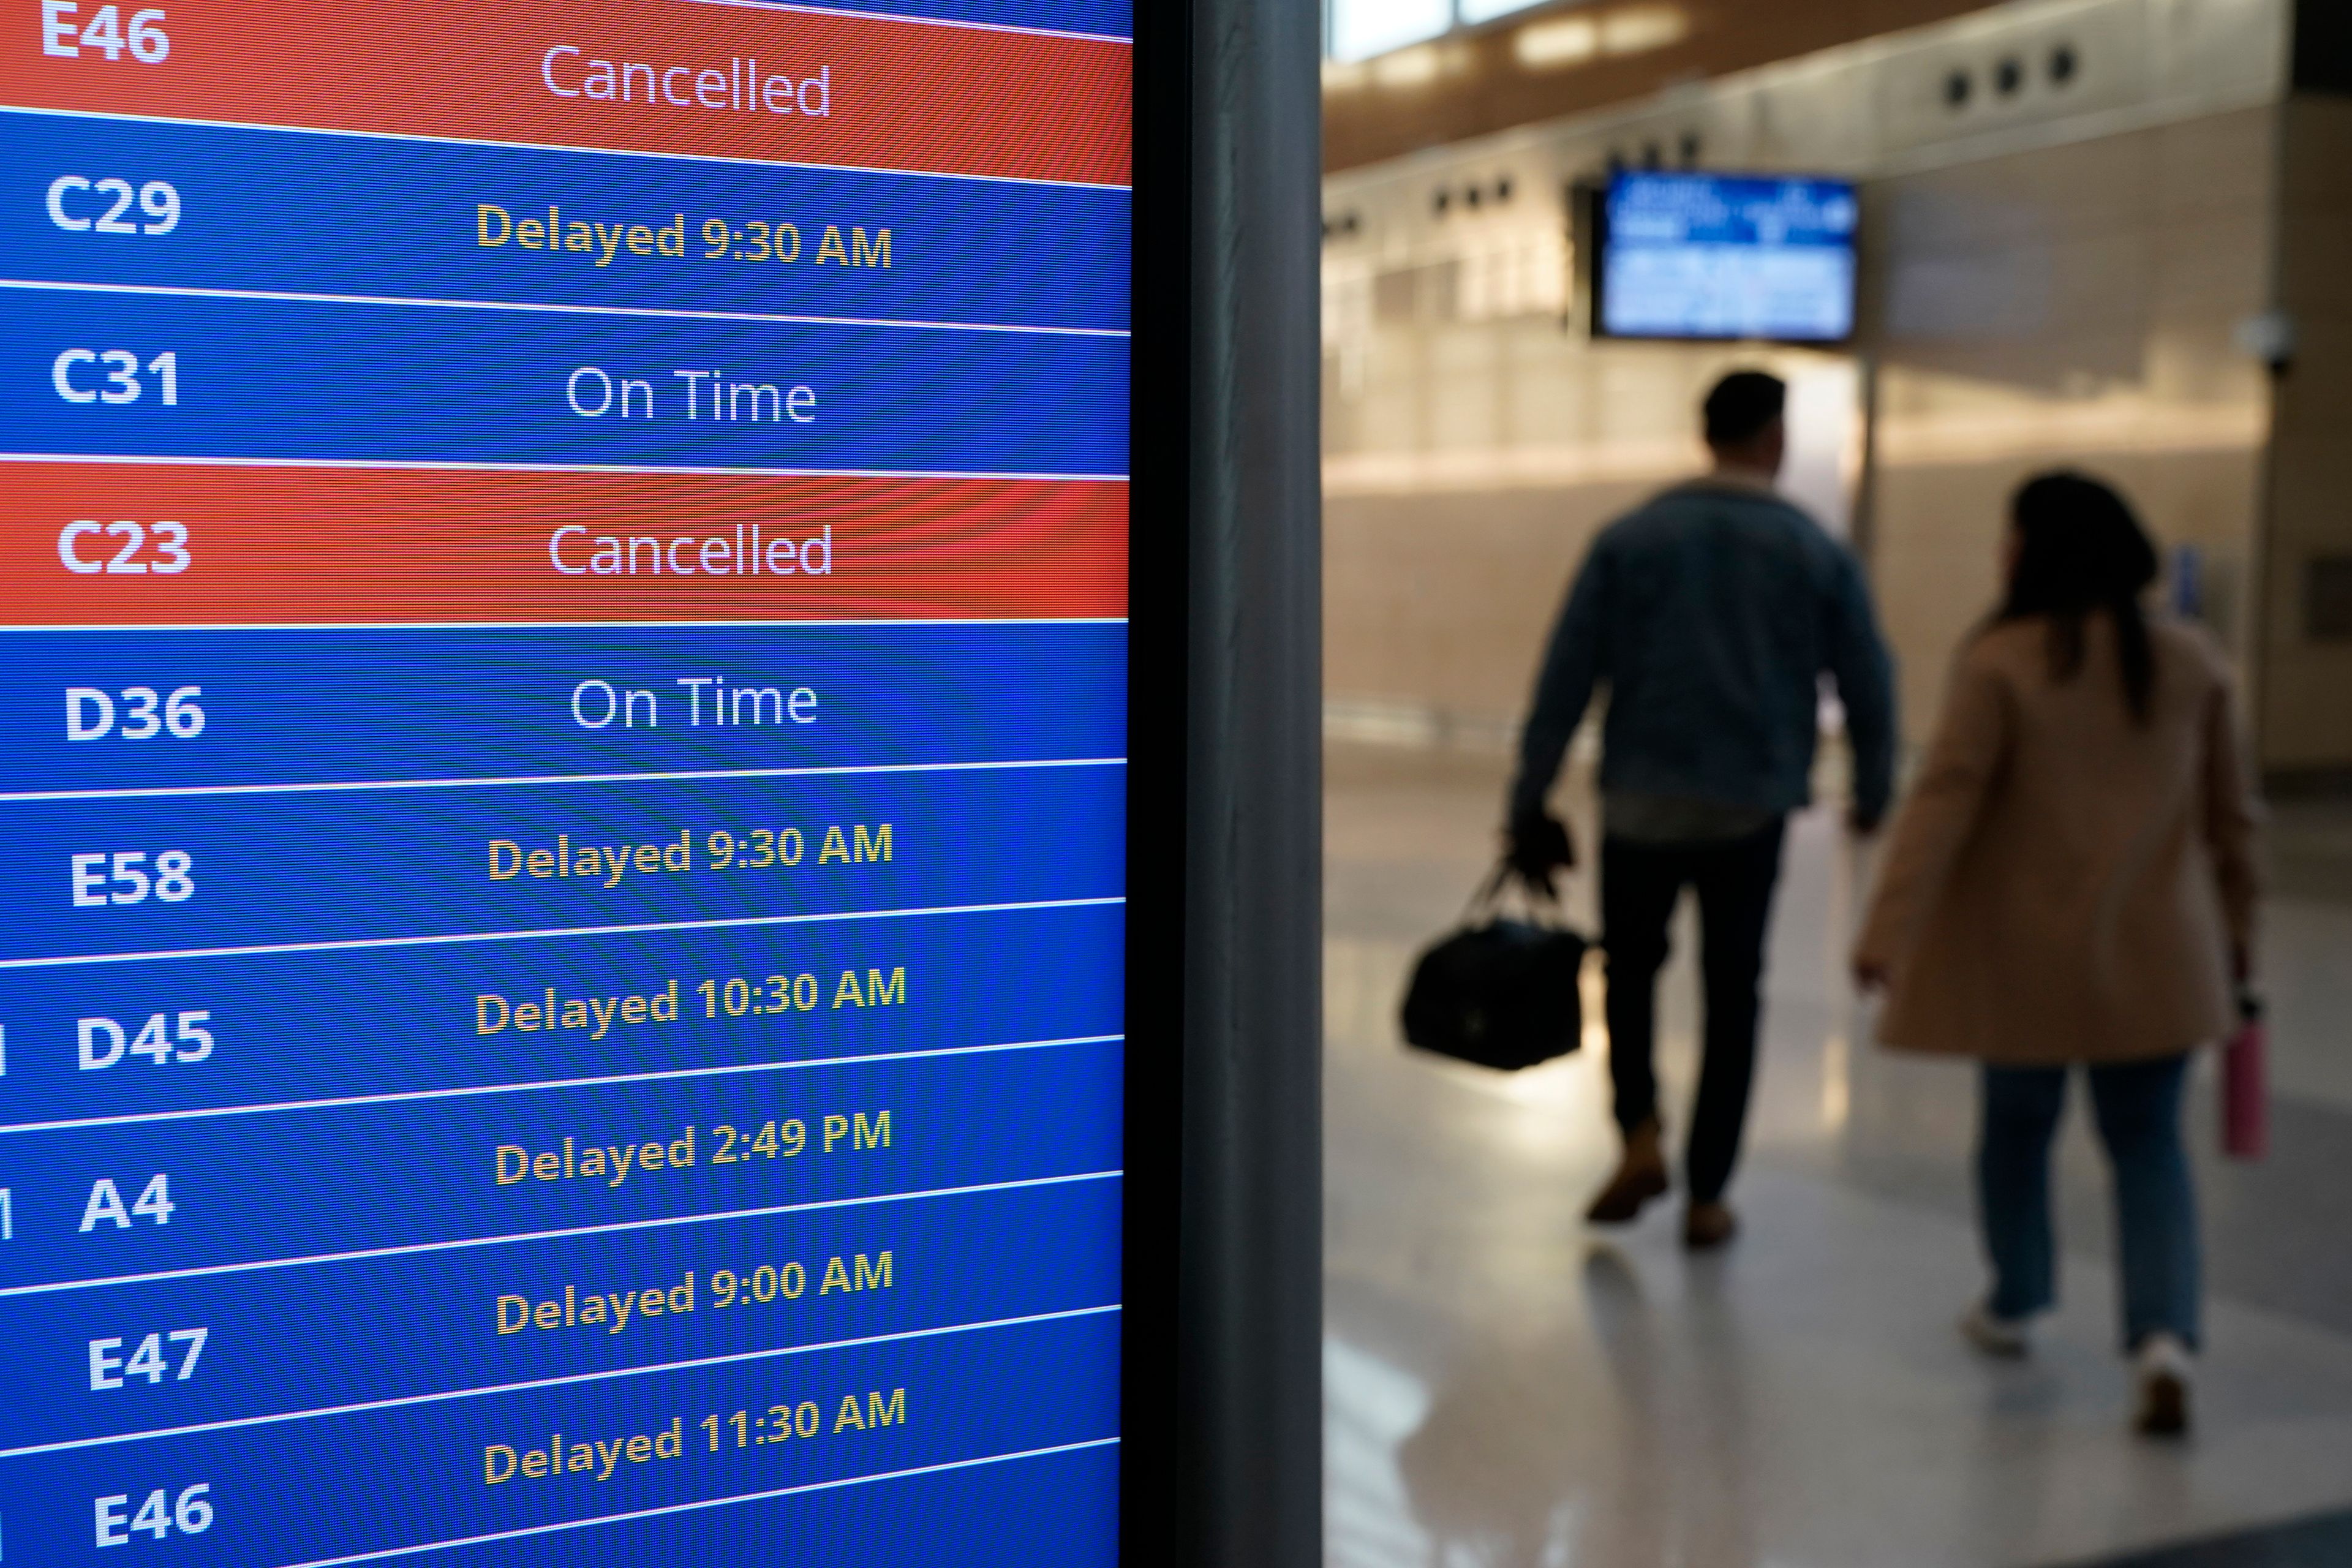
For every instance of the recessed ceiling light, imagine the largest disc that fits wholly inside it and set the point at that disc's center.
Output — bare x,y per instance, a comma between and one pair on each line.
1562,41
1636,29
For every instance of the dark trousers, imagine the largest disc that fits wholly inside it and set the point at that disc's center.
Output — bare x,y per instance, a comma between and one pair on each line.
1639,885
2138,1108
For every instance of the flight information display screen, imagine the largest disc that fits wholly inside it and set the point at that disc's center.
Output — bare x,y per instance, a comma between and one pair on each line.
562,801
1725,255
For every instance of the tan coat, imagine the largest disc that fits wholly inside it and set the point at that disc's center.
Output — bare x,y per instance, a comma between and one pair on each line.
2064,885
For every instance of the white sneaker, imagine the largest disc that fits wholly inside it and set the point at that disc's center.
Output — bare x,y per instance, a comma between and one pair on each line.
2008,1338
2162,1369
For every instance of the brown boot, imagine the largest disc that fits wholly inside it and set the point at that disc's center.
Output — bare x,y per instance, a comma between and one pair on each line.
1708,1226
1640,1176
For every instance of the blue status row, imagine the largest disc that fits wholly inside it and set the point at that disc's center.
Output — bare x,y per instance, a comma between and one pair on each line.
91,1042
101,709
174,375
138,874
91,1203
195,206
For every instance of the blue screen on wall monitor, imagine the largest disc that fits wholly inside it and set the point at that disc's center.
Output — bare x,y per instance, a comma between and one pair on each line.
562,716
1716,255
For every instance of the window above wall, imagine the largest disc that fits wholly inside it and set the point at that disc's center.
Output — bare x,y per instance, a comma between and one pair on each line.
1487,10
1358,29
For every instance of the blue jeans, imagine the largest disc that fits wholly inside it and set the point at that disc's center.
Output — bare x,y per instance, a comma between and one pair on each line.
2138,1109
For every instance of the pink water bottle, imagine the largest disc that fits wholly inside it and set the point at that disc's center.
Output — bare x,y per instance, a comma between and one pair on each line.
2245,1084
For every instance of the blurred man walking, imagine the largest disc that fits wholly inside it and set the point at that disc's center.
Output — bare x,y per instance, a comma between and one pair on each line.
1711,614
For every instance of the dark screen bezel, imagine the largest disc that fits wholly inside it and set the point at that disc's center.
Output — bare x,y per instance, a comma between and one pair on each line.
1158,554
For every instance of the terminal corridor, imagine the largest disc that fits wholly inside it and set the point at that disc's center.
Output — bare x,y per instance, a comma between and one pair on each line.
1508,1388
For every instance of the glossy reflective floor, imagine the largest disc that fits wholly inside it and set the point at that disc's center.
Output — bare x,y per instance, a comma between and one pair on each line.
1506,1388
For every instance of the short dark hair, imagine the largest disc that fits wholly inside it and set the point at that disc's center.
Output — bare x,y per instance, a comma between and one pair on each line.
1741,405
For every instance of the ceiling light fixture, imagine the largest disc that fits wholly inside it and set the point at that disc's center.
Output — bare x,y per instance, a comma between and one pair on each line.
1559,42
1637,29
1416,66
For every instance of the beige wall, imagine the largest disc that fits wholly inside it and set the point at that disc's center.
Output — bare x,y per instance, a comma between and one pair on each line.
1467,466
2071,305
2307,685
1442,601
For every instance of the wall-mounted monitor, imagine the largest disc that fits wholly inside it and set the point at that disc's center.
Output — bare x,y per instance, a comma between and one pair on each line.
1710,257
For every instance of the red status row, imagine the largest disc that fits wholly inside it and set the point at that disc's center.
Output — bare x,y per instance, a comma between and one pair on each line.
647,75
141,544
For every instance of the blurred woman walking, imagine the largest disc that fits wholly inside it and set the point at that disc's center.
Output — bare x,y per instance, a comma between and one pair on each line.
2072,881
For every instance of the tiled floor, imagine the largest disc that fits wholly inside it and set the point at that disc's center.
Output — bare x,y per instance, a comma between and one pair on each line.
1507,1389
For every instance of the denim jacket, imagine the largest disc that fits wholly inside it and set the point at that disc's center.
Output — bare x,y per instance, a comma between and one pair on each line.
1712,612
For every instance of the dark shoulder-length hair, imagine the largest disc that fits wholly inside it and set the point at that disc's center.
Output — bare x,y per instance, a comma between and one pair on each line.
2079,550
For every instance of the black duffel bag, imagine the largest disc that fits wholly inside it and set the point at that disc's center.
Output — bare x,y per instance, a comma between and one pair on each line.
1499,993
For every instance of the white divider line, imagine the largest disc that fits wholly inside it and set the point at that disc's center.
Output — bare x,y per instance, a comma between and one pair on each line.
201,1113
769,164
556,308
435,465
569,1380
329,786
616,1227
851,623
362,944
